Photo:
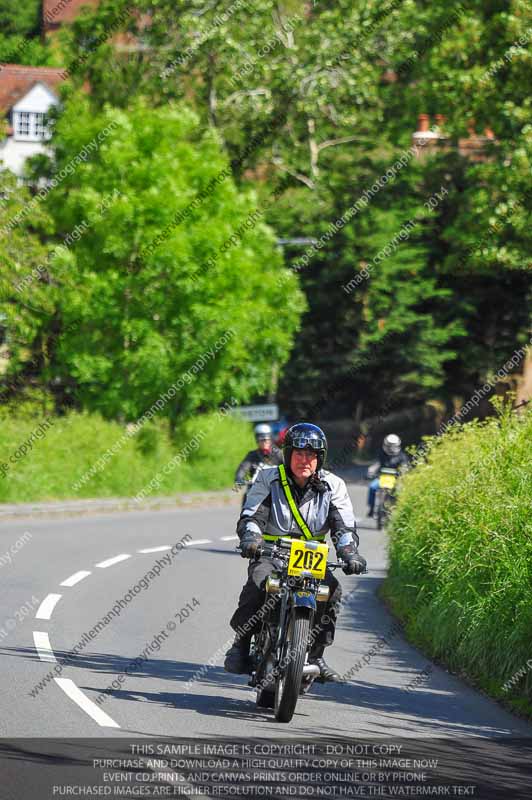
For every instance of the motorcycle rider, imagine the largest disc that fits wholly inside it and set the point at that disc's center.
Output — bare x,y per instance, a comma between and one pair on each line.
324,505
266,454
391,457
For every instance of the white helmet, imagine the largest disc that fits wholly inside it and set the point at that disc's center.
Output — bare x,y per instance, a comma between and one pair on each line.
391,445
263,431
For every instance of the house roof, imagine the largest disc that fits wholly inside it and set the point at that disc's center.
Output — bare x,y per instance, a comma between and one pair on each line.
16,81
57,12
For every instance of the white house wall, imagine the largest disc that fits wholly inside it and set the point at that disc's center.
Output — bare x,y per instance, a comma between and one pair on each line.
13,154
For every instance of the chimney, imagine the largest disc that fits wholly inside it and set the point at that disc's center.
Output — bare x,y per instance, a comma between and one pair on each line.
440,120
423,123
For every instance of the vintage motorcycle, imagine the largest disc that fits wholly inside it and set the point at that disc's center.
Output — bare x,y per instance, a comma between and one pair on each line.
279,652
385,496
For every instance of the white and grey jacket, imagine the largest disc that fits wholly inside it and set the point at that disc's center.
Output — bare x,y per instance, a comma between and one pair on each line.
325,506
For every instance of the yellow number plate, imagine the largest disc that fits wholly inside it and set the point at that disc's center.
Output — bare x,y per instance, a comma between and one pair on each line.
302,559
387,481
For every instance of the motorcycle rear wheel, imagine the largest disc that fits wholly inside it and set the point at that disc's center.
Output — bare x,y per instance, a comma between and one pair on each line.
289,682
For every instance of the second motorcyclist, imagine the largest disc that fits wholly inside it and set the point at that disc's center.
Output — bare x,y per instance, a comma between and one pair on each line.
392,456
265,454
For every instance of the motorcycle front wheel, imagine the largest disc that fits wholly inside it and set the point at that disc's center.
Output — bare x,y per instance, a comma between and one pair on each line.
293,654
380,513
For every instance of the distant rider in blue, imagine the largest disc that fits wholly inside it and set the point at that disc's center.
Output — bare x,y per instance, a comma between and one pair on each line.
390,457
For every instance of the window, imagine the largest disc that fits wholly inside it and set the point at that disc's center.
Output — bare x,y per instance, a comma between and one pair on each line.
40,127
31,126
22,123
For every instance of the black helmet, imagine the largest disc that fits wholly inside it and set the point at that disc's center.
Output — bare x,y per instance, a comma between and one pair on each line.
301,436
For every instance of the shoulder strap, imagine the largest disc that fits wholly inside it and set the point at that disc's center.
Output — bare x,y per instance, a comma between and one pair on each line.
291,502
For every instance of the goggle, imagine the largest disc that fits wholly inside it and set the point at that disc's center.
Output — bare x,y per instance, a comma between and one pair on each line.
315,443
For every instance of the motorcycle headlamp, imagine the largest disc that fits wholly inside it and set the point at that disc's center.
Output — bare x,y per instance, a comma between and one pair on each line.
273,584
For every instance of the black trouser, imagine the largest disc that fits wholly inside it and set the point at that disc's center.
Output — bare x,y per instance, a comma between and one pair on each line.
253,605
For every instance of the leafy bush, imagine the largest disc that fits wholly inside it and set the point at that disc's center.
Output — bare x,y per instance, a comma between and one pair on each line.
461,554
63,459
173,283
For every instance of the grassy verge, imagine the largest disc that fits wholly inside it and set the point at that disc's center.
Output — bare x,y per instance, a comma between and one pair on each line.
82,455
461,556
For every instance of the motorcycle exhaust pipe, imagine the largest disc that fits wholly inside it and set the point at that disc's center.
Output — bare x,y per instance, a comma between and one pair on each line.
311,670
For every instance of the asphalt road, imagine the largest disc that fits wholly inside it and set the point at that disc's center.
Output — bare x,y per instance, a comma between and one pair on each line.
155,699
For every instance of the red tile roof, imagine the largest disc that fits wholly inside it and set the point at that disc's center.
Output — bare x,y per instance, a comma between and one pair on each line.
57,12
16,81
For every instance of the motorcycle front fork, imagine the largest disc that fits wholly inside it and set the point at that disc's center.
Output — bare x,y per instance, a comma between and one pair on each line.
267,657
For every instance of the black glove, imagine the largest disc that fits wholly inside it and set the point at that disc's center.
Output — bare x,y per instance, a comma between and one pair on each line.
355,563
249,543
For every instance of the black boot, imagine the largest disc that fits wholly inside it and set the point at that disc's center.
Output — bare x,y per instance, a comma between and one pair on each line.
326,672
237,658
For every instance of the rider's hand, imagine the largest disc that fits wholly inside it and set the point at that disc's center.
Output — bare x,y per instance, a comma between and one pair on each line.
355,563
249,544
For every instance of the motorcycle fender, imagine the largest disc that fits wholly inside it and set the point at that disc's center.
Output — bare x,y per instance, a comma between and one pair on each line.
305,599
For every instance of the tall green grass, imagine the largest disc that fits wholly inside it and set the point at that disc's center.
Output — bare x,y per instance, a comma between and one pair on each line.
73,444
461,554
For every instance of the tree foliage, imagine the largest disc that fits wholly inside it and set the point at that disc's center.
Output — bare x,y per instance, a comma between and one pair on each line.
27,298
145,294
20,18
20,28
311,104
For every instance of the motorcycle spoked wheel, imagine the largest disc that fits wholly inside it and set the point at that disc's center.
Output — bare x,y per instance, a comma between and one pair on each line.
385,510
380,516
288,683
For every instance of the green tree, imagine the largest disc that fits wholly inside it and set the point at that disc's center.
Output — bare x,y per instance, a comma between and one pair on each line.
20,26
325,96
243,65
20,18
471,63
27,297
159,273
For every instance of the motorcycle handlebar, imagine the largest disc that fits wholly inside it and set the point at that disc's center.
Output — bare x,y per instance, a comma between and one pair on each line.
274,550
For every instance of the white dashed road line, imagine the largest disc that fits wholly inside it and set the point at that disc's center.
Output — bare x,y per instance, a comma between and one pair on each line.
75,578
197,541
115,560
47,606
43,646
90,708
42,640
